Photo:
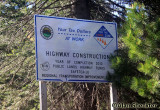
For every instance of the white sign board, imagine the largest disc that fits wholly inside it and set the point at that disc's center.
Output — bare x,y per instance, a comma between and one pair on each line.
73,50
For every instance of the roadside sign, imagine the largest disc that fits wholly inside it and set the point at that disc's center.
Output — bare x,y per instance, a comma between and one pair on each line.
73,50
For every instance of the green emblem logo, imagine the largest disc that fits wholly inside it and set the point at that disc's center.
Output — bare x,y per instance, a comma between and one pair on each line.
46,32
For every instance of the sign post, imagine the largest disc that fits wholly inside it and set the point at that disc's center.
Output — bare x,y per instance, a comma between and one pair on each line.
73,50
113,95
43,95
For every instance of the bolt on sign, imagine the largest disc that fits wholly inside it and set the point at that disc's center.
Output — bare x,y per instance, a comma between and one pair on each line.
73,50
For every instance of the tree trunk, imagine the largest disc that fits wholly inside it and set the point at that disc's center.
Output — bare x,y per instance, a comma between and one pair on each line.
81,10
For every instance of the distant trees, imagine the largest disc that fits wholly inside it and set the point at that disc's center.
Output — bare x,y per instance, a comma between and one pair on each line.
152,6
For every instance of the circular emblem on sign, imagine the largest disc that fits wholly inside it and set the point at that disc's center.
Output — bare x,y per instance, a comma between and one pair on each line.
45,66
46,32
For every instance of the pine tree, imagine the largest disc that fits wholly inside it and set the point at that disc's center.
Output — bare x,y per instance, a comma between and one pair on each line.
137,66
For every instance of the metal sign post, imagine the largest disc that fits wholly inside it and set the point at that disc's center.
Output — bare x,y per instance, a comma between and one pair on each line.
113,96
43,95
72,50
